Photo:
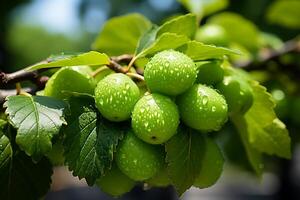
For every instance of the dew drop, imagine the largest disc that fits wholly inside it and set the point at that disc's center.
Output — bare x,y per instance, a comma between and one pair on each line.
146,124
204,100
127,86
101,102
213,109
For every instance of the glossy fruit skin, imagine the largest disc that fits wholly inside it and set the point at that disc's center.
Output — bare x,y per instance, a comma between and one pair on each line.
237,92
161,179
155,118
101,75
211,171
114,182
116,96
202,108
137,159
212,34
72,79
170,72
210,73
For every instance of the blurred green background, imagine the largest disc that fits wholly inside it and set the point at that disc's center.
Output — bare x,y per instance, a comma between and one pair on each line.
31,30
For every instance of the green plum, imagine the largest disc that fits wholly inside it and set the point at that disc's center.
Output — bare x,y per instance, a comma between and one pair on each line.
210,73
170,72
161,179
155,118
202,108
116,96
114,182
212,166
69,79
238,93
137,159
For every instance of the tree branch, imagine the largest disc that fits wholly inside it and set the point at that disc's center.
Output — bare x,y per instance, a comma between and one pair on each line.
266,55
11,92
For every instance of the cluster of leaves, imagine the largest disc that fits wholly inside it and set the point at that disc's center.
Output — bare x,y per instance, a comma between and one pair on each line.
34,124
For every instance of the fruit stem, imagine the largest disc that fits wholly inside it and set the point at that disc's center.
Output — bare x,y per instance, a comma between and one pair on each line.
97,71
131,63
135,75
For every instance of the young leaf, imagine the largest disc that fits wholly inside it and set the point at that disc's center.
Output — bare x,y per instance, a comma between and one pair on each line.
183,25
147,39
266,132
23,179
254,157
204,7
212,165
38,119
199,51
184,157
5,152
89,58
120,35
90,143
285,13
165,41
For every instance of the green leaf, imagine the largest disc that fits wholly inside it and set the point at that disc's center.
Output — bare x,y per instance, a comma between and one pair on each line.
285,13
184,158
266,132
38,119
147,39
23,179
212,165
238,29
182,25
199,51
120,35
255,158
90,143
5,152
89,58
204,7
163,42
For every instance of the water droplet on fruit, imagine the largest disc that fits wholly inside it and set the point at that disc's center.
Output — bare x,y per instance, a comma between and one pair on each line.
167,64
213,109
101,102
205,100
241,93
146,124
142,110
127,86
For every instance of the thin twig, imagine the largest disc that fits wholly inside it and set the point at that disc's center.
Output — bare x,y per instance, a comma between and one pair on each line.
11,92
126,58
292,46
99,70
136,76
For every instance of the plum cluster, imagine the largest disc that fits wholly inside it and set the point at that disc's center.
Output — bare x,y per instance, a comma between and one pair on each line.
200,95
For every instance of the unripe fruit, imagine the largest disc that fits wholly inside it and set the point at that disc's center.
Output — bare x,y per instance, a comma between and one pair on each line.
202,108
101,75
116,96
212,34
161,179
212,167
210,73
114,182
238,94
69,79
155,118
137,159
170,72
